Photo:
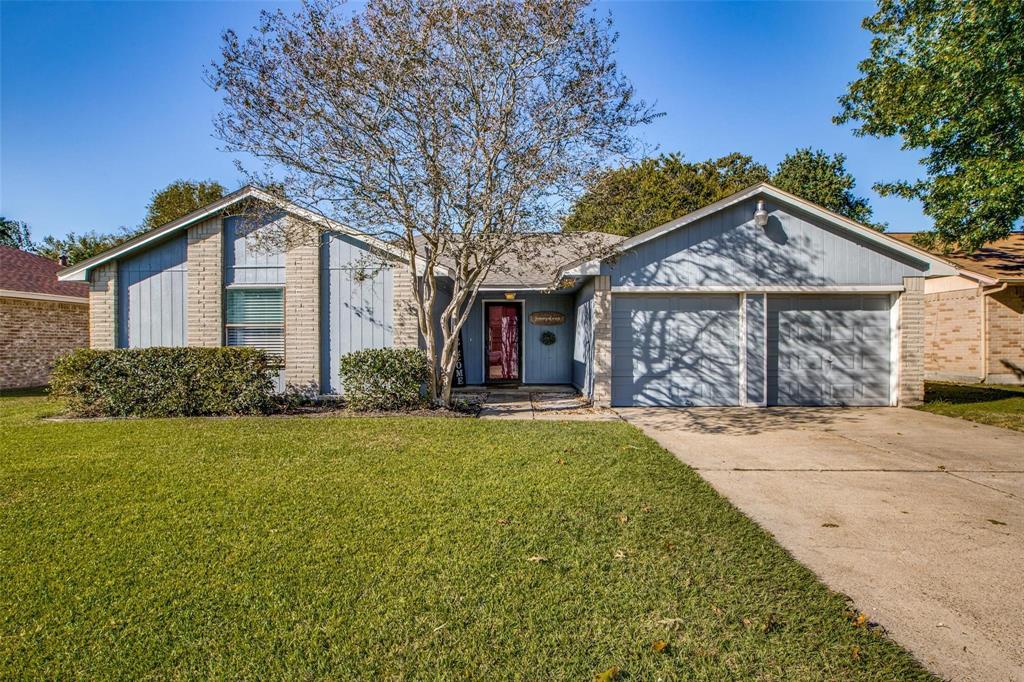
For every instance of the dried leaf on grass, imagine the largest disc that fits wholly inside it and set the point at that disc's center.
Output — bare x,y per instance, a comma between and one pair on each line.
660,646
612,673
538,559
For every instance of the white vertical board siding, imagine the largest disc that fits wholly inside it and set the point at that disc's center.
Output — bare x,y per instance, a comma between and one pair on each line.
675,350
247,258
152,299
356,304
727,249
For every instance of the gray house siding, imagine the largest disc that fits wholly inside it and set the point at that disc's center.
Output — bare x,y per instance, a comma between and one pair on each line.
356,305
583,342
727,249
151,297
541,364
246,259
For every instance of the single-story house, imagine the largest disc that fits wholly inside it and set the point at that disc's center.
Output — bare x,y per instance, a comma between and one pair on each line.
41,318
761,298
974,319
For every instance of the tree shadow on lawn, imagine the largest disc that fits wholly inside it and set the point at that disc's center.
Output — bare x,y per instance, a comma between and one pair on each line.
963,394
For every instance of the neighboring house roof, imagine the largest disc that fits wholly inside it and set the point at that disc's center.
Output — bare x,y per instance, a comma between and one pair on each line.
1001,260
80,271
936,266
26,273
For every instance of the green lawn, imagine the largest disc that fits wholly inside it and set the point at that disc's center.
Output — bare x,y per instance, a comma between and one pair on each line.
985,403
396,549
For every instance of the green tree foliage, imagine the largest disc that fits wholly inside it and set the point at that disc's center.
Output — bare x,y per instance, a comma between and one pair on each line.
79,247
178,199
823,179
16,234
947,76
632,199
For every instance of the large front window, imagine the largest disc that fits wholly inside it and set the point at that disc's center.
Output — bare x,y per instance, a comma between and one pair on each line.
255,318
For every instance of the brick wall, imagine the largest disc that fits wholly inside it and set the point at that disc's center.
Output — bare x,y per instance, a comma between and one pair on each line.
205,324
911,387
602,341
1006,336
404,315
953,336
103,307
302,317
35,333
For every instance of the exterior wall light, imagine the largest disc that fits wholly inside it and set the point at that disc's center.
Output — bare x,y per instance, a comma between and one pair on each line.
760,215
510,296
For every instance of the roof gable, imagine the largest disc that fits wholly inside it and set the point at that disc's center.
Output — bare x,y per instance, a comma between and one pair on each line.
840,224
80,271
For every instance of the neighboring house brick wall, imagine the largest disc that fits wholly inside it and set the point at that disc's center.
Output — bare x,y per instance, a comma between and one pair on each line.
205,284
33,334
1006,336
405,317
302,317
953,335
602,341
103,306
912,350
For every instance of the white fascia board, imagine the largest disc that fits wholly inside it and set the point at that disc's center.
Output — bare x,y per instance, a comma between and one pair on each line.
937,267
753,289
40,296
80,271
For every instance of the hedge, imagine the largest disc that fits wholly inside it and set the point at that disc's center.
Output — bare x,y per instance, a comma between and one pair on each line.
165,382
384,378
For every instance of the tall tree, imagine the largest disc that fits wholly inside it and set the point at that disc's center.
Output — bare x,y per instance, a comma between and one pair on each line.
16,234
947,76
823,179
79,247
178,199
635,198
460,125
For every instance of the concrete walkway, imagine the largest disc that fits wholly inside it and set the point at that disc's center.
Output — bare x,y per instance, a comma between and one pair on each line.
540,402
918,518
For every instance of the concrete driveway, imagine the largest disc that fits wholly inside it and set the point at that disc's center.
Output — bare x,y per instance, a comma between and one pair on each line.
918,518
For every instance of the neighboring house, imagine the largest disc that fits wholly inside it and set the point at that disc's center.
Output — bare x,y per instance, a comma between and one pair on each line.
975,318
714,308
40,318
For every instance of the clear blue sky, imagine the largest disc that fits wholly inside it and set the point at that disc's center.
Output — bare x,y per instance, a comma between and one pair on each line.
102,103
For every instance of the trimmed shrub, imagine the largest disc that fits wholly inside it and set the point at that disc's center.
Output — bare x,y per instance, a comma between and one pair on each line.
384,378
165,382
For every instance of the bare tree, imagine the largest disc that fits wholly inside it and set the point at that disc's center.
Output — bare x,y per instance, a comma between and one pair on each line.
454,128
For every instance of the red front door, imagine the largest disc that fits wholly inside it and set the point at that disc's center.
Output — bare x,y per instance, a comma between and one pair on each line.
504,356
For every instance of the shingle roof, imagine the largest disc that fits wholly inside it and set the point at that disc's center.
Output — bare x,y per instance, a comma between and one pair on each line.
23,271
536,262
1002,259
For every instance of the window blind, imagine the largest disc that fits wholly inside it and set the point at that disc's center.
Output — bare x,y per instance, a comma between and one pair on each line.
255,319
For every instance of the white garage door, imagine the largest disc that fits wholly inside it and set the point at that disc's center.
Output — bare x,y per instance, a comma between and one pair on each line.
675,350
829,350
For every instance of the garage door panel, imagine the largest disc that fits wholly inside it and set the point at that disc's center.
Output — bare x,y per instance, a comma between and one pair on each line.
846,363
675,350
